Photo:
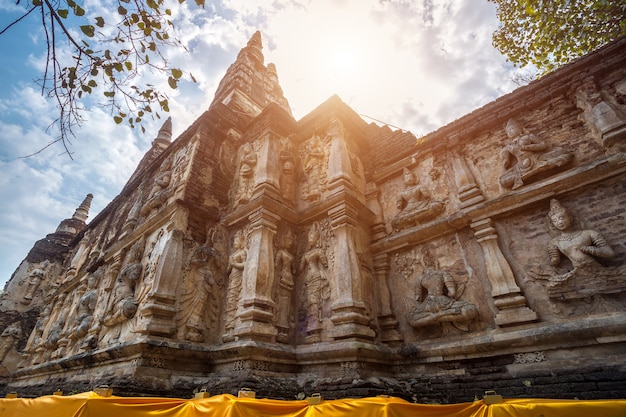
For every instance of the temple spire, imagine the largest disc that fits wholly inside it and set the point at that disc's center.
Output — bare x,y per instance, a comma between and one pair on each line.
164,137
248,85
82,212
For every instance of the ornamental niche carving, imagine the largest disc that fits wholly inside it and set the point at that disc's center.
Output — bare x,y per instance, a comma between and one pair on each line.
314,166
199,296
415,203
160,191
527,158
287,160
314,269
285,270
123,305
236,265
245,180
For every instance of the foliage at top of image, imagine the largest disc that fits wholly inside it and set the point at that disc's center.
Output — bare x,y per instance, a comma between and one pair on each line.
88,54
550,33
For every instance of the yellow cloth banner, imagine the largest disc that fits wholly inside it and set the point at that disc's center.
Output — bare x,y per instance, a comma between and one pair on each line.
89,404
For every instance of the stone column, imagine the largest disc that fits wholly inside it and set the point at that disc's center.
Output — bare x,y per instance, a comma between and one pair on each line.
348,310
506,294
256,306
386,318
159,309
468,192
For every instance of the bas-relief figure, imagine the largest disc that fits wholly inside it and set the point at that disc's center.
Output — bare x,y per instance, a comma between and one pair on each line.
160,191
437,295
198,296
245,180
581,247
236,264
592,271
86,308
415,203
526,157
603,114
288,169
123,305
33,281
9,337
314,266
285,269
313,165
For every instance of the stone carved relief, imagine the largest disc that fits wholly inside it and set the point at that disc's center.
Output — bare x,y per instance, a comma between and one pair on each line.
585,249
85,311
603,114
199,298
314,163
527,157
285,270
160,191
245,180
153,249
50,342
9,337
33,281
314,266
437,296
415,203
287,169
123,304
236,265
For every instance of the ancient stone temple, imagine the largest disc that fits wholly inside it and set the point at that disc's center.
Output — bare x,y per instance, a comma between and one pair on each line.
328,255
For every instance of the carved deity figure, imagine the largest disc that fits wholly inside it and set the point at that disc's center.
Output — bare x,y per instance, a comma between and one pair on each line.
436,294
526,157
86,307
160,191
9,337
34,280
199,291
288,167
313,263
285,268
581,247
236,265
415,203
313,165
245,181
124,305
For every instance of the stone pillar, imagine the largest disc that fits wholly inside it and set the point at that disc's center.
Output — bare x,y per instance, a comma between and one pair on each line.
468,191
506,294
256,306
159,309
386,318
348,310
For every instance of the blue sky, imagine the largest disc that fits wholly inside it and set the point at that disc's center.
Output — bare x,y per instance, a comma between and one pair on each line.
416,64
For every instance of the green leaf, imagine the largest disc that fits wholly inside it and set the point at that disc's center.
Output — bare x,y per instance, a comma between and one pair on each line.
94,72
88,30
200,3
129,65
172,82
79,11
36,3
176,73
99,22
92,83
63,13
122,10
109,94
118,119
71,3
